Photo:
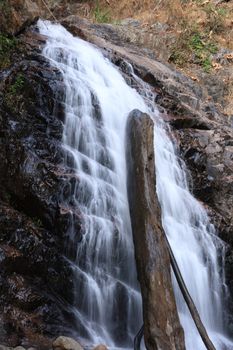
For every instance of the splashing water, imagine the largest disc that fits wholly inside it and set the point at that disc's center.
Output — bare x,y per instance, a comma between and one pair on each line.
107,299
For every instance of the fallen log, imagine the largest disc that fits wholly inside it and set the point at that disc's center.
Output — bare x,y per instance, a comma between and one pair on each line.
162,326
152,246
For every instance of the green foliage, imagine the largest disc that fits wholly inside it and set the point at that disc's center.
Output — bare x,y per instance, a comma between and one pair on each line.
37,221
206,64
195,47
13,96
7,46
18,85
5,7
222,12
202,49
215,18
101,15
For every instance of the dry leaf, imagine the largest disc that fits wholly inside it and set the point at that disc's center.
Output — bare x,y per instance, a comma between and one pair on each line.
229,56
216,66
194,78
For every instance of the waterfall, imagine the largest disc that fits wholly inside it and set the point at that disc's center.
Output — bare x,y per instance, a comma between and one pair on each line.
107,300
97,102
195,245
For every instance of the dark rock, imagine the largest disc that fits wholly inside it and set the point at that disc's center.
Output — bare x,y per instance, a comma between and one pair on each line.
209,158
35,279
162,327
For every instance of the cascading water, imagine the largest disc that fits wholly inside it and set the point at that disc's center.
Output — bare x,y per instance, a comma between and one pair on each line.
192,237
97,102
194,243
107,304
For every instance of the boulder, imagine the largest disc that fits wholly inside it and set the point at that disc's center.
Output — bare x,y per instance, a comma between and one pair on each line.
66,343
101,347
3,347
162,329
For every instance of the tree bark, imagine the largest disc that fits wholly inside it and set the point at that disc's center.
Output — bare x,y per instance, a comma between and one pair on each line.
162,329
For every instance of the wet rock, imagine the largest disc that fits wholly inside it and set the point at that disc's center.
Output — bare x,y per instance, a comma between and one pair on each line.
209,158
65,343
35,278
162,327
32,180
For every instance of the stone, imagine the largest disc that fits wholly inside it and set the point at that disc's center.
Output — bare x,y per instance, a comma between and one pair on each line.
3,347
66,343
130,22
162,329
33,268
17,14
208,155
100,347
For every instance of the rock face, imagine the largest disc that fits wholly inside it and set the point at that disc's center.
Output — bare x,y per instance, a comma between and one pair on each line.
35,278
162,326
16,14
203,133
209,157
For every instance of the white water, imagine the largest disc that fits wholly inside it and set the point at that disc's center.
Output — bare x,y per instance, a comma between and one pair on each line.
195,245
107,302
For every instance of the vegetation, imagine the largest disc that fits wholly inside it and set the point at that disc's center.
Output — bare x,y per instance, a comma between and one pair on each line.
215,18
17,86
101,15
194,47
37,222
7,46
13,96
5,7
203,50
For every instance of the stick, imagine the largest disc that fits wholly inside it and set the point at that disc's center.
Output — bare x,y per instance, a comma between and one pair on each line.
138,338
45,4
187,297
